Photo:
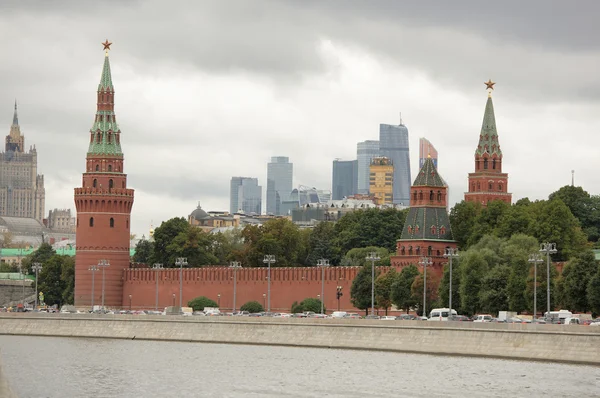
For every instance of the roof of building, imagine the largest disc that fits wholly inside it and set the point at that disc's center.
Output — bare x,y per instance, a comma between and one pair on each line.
488,139
429,176
106,78
23,225
427,223
198,214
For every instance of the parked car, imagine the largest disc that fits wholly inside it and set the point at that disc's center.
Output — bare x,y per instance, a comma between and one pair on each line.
406,317
352,315
372,317
441,314
459,318
483,318
388,318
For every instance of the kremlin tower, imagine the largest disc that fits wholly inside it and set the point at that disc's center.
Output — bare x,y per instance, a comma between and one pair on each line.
488,182
427,231
103,206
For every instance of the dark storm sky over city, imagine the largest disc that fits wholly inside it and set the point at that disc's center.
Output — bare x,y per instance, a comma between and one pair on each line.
207,90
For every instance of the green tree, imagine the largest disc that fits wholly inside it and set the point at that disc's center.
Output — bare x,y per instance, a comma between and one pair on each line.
199,303
554,222
593,293
312,304
358,256
50,280
383,289
433,284
360,292
297,308
41,255
576,276
143,251
488,220
320,244
164,235
472,270
193,244
517,219
583,206
401,293
463,218
227,245
494,292
253,307
370,227
68,278
542,279
444,288
279,237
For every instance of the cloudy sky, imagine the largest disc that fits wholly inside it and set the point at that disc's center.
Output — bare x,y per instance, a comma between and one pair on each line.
211,89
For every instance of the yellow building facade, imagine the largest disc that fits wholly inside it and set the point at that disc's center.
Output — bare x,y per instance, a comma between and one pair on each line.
381,179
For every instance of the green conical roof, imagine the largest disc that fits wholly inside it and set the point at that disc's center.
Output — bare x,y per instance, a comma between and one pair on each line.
106,78
429,176
424,223
488,139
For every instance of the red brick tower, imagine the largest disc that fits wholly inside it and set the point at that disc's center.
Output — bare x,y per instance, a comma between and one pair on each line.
488,182
103,205
427,231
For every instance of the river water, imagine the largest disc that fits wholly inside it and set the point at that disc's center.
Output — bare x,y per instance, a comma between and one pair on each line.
51,367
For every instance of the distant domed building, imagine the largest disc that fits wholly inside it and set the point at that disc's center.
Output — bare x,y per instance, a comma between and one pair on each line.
207,222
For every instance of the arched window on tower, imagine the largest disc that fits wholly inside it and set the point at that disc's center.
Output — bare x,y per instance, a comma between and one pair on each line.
110,167
485,164
415,196
110,138
95,183
410,250
500,187
494,164
91,221
431,195
112,222
429,250
420,195
473,187
439,196
418,250
98,138
110,184
97,167
478,186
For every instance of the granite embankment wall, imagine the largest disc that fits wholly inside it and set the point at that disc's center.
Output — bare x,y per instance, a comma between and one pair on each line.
15,290
574,344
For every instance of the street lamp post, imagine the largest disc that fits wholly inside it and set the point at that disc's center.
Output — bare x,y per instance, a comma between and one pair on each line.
103,264
322,263
218,300
264,300
535,258
93,269
36,267
269,259
425,261
548,249
181,261
173,299
130,303
339,294
372,257
234,265
156,267
450,254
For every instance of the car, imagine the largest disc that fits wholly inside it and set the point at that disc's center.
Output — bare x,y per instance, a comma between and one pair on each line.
372,317
317,316
406,317
255,314
483,318
459,318
388,318
595,323
351,315
516,320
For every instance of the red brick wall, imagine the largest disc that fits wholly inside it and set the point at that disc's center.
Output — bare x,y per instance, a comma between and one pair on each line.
287,285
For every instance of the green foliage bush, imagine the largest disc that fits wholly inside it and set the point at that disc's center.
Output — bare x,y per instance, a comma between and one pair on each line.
252,307
199,303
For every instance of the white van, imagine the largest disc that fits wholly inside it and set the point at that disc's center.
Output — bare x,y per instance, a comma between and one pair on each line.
338,314
557,316
441,314
572,321
483,318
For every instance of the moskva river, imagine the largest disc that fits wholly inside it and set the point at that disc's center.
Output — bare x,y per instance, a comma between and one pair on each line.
39,367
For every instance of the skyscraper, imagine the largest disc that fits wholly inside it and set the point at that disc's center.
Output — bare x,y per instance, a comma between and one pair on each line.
393,144
345,178
22,191
381,180
426,149
365,151
245,195
280,174
488,182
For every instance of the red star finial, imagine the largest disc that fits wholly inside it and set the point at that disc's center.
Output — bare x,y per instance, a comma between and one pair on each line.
106,45
489,84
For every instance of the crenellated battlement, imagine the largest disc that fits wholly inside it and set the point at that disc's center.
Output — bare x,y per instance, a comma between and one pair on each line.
225,274
106,192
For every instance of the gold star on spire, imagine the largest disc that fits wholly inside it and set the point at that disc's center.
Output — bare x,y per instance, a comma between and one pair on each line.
106,45
489,84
